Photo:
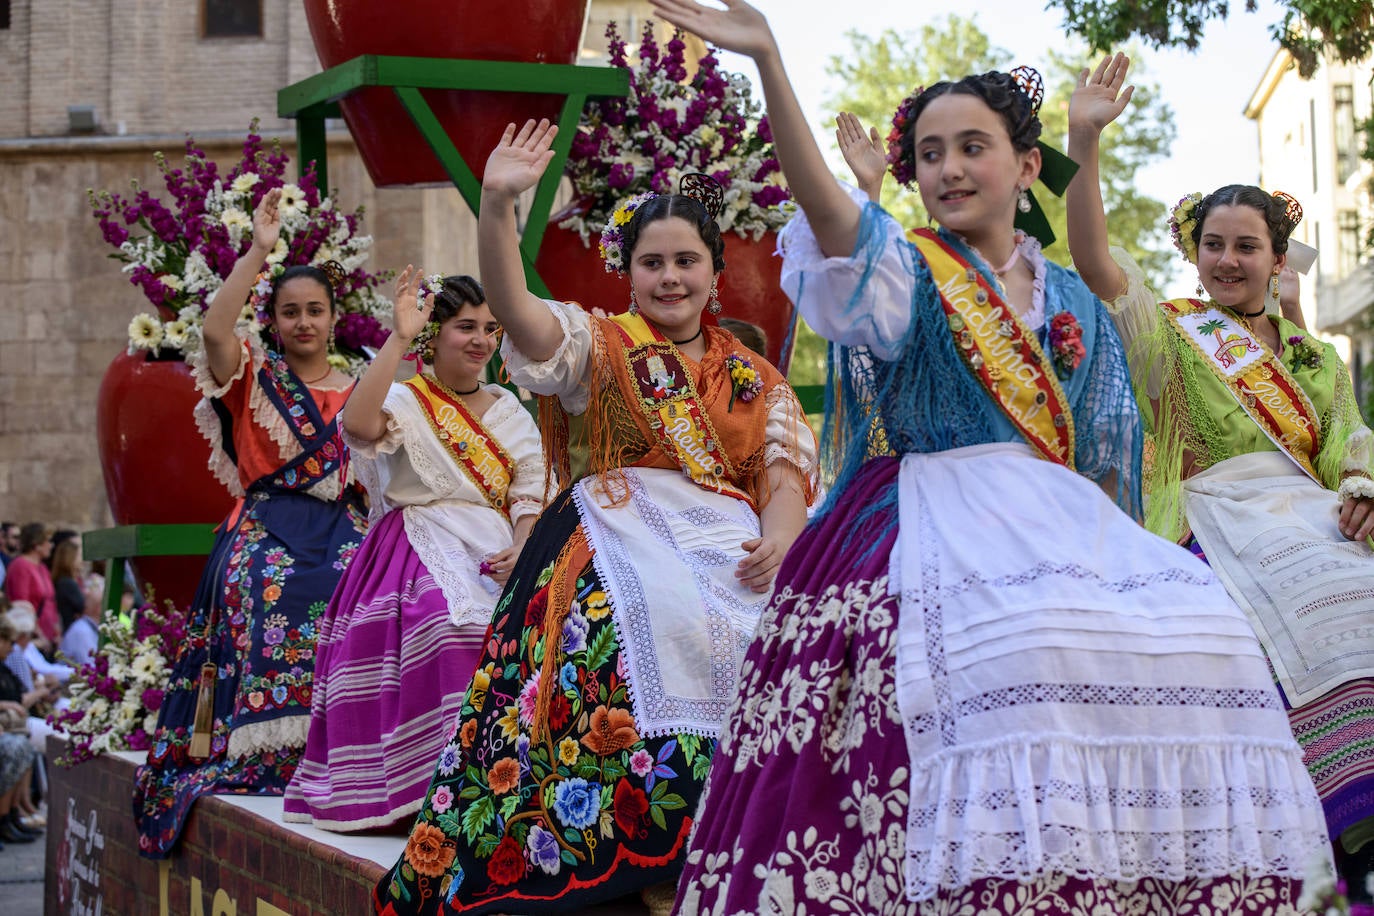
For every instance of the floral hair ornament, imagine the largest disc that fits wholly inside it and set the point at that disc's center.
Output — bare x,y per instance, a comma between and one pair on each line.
613,236
429,287
262,288
705,190
901,169
1182,220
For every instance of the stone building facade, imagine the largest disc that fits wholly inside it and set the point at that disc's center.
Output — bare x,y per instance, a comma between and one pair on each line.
92,89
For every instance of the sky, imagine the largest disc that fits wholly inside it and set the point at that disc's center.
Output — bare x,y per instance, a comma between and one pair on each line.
1207,90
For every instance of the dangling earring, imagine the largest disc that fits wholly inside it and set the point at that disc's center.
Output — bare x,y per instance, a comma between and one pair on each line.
713,304
1274,286
331,339
276,338
634,303
1023,200
1200,291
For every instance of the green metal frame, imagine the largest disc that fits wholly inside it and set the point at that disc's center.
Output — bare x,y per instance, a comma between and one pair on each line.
119,544
313,100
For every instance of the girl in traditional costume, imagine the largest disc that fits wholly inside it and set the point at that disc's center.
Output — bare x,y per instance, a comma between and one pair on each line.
237,704
981,686
1262,462
614,651
456,475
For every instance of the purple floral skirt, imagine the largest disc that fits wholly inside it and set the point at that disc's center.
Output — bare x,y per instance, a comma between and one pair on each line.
806,806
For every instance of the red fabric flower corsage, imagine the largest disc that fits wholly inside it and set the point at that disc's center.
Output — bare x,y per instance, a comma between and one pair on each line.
1066,343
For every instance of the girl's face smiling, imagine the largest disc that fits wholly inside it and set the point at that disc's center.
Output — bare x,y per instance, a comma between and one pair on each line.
302,316
966,168
1235,257
465,342
670,270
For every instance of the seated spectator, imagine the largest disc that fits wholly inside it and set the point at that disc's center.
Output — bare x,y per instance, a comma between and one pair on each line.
82,638
41,691
28,580
68,573
17,756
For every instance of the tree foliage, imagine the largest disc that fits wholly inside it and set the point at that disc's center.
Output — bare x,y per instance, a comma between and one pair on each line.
1310,29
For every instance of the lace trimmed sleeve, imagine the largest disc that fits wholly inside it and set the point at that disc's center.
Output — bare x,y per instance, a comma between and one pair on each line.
563,374
860,300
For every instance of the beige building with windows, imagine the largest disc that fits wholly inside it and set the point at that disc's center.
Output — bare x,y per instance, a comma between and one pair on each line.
1311,136
92,89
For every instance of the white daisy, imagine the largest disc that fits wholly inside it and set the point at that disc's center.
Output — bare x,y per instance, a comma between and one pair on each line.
145,332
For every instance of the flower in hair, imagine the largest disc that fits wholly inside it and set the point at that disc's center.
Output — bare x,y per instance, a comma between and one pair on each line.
432,285
901,169
1182,220
613,236
262,289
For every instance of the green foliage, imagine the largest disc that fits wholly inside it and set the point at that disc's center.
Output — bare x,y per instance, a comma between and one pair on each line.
1310,30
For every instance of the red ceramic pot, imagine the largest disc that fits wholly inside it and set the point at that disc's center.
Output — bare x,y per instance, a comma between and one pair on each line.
749,285
156,462
538,31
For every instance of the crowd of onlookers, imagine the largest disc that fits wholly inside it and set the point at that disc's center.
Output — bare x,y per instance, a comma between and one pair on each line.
49,623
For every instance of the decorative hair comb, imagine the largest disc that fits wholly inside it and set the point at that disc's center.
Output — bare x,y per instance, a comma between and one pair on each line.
705,190
335,272
1029,82
1292,210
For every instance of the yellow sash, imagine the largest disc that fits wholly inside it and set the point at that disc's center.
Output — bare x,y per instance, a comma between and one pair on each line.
1004,354
1259,382
468,442
666,397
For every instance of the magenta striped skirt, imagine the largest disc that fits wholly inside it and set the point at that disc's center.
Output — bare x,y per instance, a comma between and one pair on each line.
390,675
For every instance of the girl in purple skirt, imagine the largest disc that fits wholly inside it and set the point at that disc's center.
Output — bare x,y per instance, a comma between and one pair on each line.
981,686
456,474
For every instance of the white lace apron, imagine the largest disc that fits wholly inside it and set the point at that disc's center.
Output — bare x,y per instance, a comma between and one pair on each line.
1078,695
1272,535
667,558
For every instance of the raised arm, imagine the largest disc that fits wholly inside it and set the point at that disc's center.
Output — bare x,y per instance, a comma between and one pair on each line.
863,153
1097,101
363,417
514,167
739,27
222,345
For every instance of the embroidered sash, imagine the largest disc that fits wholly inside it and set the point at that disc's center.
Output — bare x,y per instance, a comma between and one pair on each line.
323,452
1004,354
467,441
1259,382
667,398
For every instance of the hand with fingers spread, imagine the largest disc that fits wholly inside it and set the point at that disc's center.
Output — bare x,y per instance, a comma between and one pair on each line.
1099,98
739,27
863,153
267,221
410,314
519,160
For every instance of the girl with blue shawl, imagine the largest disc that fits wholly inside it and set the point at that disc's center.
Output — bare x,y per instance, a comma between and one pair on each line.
981,686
